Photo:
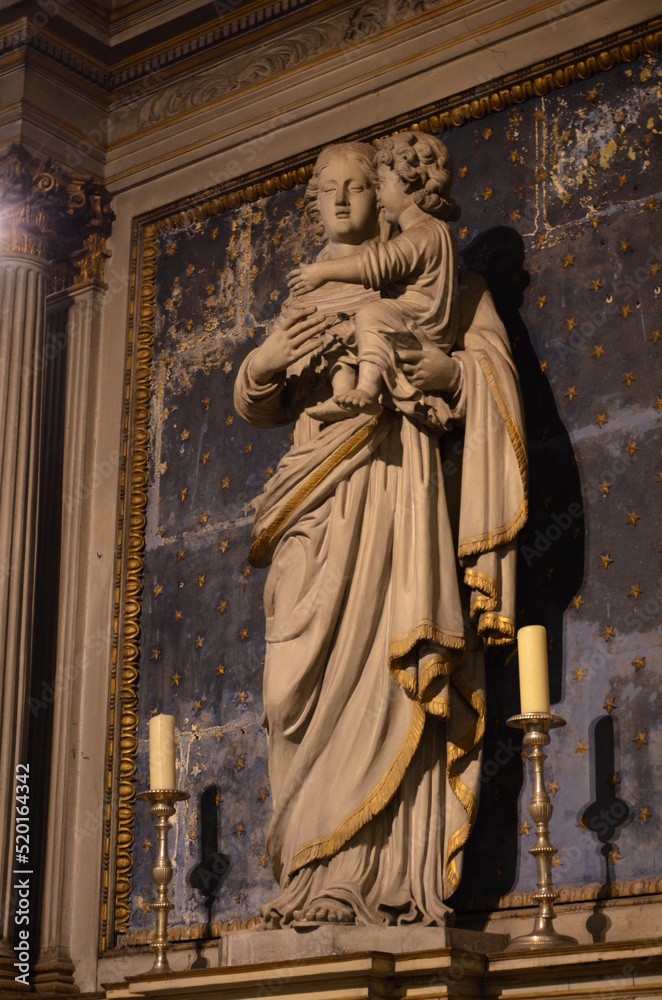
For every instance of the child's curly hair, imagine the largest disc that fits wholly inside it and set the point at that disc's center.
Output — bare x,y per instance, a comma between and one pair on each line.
362,154
424,165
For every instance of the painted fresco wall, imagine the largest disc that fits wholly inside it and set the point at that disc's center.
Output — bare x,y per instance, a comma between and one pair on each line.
561,213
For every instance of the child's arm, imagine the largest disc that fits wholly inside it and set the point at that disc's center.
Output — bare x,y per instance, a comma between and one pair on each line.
308,277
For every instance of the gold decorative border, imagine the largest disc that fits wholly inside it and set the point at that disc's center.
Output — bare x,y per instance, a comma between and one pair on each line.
535,81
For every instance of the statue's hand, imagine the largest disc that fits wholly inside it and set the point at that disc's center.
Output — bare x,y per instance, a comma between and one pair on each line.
430,369
293,334
306,278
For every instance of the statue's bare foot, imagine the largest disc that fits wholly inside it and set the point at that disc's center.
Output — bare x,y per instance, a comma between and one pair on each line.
325,911
340,407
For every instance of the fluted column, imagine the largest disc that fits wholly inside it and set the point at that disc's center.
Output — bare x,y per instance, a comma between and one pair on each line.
22,325
49,215
69,811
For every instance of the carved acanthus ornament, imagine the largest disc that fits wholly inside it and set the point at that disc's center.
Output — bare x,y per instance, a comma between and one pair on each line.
61,217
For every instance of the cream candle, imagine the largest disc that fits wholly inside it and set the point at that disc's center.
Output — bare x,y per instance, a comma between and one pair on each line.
162,752
533,672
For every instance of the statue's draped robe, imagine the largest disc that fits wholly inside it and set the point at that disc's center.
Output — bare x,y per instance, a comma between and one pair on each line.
382,540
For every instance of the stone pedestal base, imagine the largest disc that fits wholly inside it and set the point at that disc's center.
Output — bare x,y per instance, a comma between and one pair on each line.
403,964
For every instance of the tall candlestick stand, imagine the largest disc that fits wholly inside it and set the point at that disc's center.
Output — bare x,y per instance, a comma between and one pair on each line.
162,807
536,736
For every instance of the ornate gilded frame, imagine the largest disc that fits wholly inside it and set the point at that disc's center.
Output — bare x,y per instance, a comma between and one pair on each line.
119,809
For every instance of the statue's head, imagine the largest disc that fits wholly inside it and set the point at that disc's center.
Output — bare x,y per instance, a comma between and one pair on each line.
341,193
424,168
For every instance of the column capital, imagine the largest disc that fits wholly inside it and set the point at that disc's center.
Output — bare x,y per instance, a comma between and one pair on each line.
59,216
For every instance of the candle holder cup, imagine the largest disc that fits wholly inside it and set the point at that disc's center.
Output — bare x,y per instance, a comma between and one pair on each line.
536,729
162,807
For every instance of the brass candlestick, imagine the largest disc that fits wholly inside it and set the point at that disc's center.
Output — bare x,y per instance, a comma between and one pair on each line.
162,807
536,736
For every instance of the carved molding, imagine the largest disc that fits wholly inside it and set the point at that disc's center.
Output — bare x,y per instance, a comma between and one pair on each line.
334,33
534,82
47,212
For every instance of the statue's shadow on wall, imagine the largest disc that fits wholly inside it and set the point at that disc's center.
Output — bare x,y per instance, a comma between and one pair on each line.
550,571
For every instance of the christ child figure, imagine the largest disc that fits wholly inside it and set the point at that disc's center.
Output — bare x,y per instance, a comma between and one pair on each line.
415,273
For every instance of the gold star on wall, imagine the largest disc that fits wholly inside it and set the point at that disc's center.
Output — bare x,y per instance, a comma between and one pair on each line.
578,674
541,301
463,232
641,739
651,204
205,457
623,246
577,602
525,829
633,517
581,748
462,172
569,260
570,324
225,483
147,844
615,857
243,697
262,795
243,634
639,662
158,590
201,580
246,571
655,335
220,670
607,632
239,763
182,495
262,861
176,678
204,517
229,420
571,392
219,735
658,404
609,705
205,402
177,616
606,560
581,825
644,814
553,788
185,435
605,487
596,284
614,779
598,351
181,553
635,590
197,706
628,378
487,193
631,448
239,828
223,606
248,448
487,132
557,863
601,419
198,641
223,547
156,653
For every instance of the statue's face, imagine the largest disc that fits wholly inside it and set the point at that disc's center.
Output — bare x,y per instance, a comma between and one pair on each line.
347,202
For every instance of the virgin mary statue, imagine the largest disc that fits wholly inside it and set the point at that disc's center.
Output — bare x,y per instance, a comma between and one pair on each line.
391,548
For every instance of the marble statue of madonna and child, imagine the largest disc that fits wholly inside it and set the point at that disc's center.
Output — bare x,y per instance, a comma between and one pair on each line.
389,530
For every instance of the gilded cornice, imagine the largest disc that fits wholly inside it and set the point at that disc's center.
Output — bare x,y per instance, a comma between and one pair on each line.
515,89
55,215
